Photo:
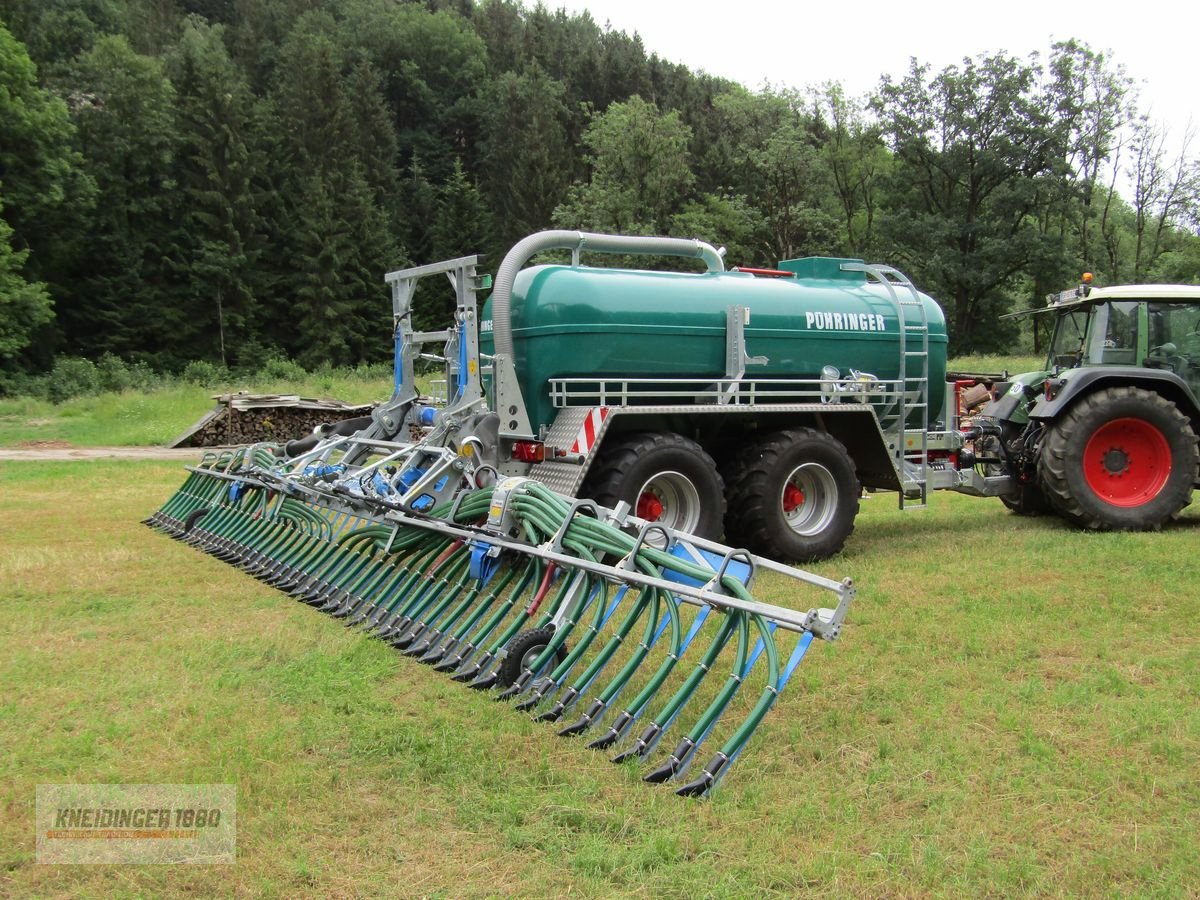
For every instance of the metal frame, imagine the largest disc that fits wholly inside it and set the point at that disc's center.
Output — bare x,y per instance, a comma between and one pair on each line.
822,621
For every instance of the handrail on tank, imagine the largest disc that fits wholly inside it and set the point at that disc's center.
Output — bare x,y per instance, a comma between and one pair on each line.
577,241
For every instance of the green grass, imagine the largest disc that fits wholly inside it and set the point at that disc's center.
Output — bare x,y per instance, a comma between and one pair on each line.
995,364
135,418
1014,708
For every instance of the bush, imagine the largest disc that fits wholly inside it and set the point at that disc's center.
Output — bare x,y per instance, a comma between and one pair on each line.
203,373
144,378
22,384
374,371
72,377
113,374
280,368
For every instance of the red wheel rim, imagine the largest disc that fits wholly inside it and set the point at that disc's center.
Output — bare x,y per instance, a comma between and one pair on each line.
1127,462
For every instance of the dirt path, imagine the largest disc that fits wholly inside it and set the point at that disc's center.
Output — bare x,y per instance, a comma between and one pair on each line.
58,452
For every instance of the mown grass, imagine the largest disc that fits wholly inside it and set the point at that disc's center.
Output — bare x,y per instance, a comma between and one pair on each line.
139,418
1013,708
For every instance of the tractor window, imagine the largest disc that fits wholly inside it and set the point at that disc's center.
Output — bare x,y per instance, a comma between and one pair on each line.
1175,327
1174,339
1116,333
1066,347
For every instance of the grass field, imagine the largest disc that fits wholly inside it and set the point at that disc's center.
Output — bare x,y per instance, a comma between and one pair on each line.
1014,708
136,418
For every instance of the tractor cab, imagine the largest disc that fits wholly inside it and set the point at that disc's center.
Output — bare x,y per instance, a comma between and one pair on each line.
1139,326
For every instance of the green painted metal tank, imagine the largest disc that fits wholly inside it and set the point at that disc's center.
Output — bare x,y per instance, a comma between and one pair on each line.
574,321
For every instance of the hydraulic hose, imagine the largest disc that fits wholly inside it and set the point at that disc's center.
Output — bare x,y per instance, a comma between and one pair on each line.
427,592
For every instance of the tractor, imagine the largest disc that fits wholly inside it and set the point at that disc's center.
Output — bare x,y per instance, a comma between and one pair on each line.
1105,435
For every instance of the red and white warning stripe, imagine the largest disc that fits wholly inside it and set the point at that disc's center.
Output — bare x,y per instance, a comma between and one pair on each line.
586,439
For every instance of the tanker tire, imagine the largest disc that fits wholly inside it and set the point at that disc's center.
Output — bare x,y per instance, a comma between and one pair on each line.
758,479
680,466
1118,416
523,649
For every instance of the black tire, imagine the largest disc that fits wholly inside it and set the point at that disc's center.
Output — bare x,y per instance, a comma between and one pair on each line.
522,649
192,518
1122,458
668,469
817,466
1029,500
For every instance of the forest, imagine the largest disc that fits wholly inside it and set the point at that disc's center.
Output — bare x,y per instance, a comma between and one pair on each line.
228,180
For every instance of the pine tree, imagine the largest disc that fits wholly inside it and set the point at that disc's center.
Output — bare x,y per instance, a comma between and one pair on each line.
526,170
220,240
420,211
332,233
128,300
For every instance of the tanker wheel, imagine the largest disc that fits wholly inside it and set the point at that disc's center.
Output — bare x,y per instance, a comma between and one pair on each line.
521,652
1121,459
665,478
792,496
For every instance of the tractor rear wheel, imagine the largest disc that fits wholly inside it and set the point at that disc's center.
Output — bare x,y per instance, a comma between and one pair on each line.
665,478
792,496
1122,458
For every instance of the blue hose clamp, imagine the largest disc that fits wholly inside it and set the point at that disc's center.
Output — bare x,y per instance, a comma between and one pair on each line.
485,560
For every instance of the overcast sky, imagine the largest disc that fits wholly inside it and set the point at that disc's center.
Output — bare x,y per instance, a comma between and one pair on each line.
799,44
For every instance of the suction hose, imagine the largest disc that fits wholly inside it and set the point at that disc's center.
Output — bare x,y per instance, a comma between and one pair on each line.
342,429
525,249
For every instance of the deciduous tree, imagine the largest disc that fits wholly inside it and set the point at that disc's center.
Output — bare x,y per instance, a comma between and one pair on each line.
971,145
47,193
24,305
640,173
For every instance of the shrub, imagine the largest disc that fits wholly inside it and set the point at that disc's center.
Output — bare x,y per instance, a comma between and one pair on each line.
143,378
72,377
204,373
112,373
280,368
22,384
372,371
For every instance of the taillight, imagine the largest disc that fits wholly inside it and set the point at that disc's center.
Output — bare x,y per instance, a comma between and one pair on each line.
528,451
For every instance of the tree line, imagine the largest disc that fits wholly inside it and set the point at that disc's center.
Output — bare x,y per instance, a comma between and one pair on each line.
226,180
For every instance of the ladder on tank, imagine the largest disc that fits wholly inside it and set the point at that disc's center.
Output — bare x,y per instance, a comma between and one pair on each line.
909,450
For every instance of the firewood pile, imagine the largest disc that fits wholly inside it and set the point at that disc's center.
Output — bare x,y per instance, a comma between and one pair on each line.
250,418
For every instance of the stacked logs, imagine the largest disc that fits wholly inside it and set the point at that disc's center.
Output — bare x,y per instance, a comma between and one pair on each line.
250,418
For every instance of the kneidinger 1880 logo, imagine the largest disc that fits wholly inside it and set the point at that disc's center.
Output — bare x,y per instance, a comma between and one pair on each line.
136,823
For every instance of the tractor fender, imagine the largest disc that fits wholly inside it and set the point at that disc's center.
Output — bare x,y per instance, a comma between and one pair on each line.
1072,384
1004,409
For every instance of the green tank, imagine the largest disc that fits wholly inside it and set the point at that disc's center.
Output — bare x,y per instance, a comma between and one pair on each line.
573,321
